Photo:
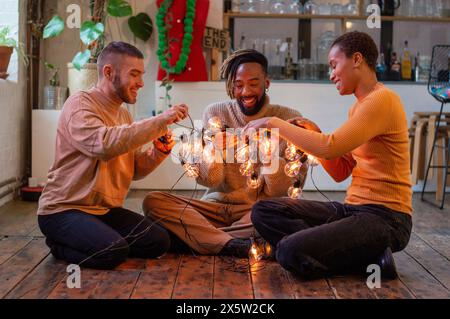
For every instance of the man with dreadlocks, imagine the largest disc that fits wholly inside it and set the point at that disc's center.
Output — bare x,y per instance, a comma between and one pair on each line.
220,222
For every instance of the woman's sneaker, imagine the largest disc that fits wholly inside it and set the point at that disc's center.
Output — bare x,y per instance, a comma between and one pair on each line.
387,264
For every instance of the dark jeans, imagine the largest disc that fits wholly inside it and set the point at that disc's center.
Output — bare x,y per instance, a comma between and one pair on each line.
102,241
315,239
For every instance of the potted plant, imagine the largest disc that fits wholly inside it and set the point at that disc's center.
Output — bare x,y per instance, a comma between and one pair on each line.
83,69
54,94
7,45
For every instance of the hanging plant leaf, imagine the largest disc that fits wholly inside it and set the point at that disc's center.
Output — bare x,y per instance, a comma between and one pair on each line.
91,31
141,25
54,27
81,59
119,8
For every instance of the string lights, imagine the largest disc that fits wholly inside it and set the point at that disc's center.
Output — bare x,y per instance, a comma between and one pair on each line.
202,147
254,180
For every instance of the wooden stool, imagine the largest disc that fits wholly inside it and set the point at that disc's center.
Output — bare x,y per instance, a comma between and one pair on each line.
437,151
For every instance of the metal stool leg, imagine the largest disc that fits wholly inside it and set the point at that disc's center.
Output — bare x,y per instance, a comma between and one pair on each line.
446,172
431,157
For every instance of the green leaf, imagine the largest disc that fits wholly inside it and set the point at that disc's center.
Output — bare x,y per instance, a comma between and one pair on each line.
4,31
49,66
81,59
141,25
54,27
119,8
91,31
9,42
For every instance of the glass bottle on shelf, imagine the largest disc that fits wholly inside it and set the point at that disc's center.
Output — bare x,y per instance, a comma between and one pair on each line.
337,9
310,7
294,7
249,6
396,67
325,8
263,6
277,7
235,6
351,8
416,68
288,63
419,8
381,67
406,63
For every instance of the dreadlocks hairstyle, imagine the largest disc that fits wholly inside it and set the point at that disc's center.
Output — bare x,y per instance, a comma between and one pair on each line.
361,42
232,63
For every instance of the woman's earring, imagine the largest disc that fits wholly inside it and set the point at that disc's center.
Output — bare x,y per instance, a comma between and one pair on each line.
267,90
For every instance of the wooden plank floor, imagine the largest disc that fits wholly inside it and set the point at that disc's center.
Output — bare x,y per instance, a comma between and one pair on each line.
27,270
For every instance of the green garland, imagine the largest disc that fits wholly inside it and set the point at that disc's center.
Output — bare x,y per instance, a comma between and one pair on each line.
163,41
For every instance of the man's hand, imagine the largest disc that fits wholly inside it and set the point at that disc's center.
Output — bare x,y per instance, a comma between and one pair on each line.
164,143
175,114
305,123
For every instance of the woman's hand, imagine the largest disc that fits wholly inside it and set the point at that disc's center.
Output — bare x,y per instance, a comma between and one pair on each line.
164,143
305,123
259,123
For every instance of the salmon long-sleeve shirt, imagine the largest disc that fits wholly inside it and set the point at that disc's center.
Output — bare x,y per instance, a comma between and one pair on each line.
98,153
372,146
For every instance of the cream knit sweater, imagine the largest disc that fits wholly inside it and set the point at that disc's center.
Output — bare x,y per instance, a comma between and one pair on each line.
224,180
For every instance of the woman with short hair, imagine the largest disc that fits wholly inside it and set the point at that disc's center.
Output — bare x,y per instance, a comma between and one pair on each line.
315,238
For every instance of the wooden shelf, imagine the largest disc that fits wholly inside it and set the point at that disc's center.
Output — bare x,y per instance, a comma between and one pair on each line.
288,16
331,17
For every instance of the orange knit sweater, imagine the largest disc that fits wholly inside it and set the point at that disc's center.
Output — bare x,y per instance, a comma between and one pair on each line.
372,146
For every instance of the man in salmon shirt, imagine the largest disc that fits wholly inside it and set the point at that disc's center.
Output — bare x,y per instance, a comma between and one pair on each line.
98,154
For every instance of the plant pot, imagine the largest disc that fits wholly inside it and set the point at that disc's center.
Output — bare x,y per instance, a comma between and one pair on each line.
54,97
5,56
81,80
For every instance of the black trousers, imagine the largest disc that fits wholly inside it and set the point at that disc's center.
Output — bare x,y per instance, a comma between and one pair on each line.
315,239
102,241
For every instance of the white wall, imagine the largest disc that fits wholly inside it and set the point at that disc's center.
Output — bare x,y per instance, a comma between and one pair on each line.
13,127
319,102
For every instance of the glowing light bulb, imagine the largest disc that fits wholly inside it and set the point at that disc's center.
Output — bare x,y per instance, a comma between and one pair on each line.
214,124
312,160
254,181
191,170
268,249
208,136
242,154
208,155
265,150
254,253
197,149
246,168
292,169
291,152
184,151
254,250
184,138
295,191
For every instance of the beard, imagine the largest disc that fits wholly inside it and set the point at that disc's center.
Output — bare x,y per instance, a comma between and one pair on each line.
122,91
255,108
